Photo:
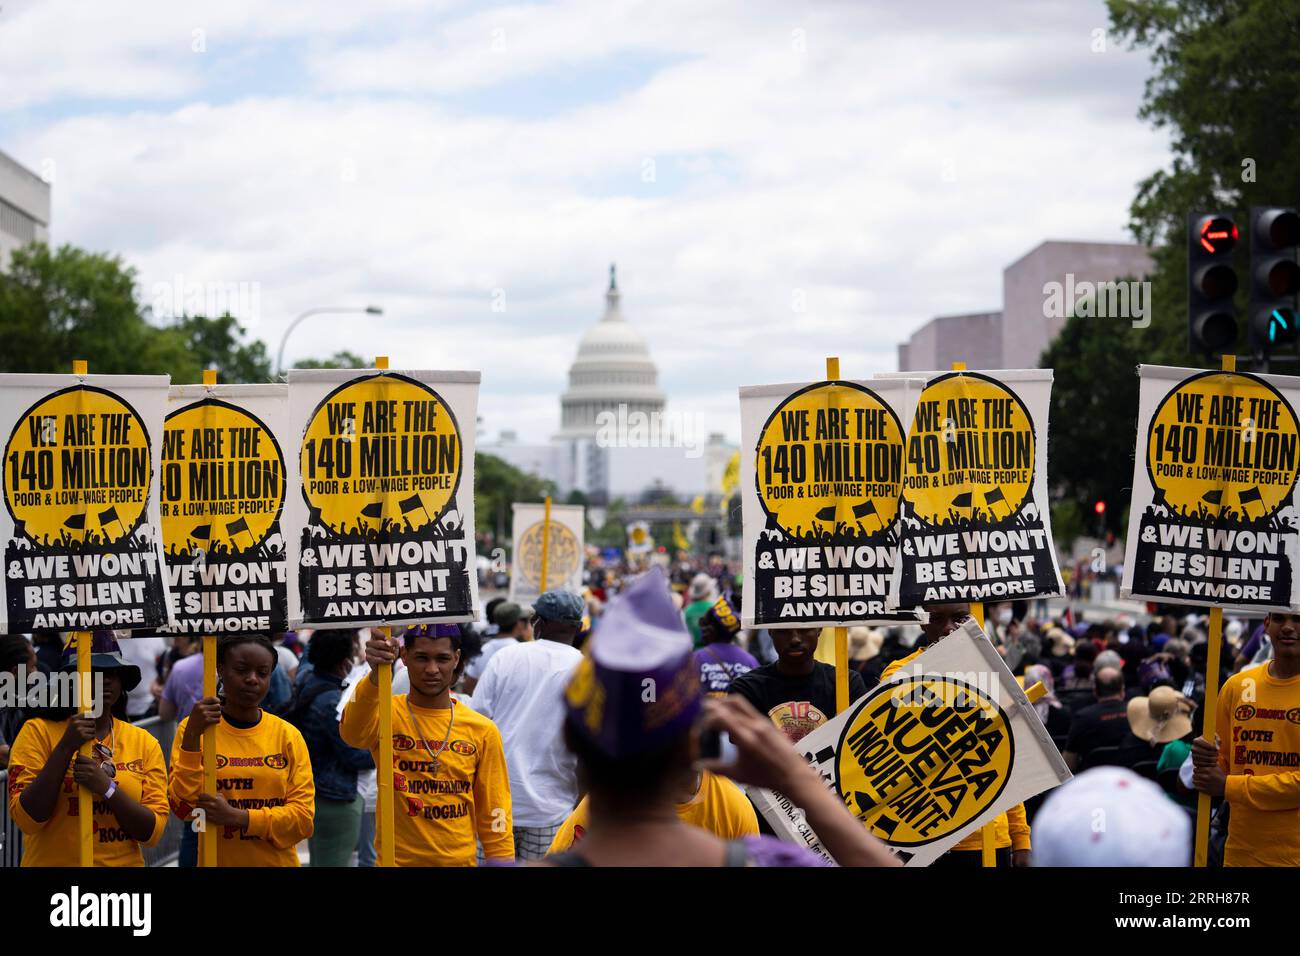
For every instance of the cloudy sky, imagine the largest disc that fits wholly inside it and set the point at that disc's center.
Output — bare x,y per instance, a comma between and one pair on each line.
777,182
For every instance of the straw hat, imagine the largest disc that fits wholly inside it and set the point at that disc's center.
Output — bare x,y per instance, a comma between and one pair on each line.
1161,717
864,643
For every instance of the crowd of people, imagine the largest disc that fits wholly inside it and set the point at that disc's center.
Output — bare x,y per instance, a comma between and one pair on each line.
585,729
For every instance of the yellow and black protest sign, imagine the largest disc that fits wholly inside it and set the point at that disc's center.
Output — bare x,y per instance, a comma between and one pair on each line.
82,551
222,479
970,451
222,491
820,518
387,536
564,555
381,452
830,463
78,468
924,759
1213,516
975,520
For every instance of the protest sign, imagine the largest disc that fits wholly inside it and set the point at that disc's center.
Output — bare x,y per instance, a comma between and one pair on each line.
1213,517
223,486
80,526
944,746
820,507
975,521
386,503
565,550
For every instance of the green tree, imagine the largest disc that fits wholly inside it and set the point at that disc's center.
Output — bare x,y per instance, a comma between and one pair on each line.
56,306
497,485
1226,86
219,343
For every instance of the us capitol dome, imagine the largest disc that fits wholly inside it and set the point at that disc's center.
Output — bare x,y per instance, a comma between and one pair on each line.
613,368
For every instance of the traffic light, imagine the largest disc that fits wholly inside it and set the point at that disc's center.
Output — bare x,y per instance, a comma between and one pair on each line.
1211,282
1274,277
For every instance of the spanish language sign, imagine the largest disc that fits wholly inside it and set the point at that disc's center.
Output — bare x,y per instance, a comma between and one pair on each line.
948,743
80,524
975,523
565,549
1213,517
820,505
386,497
224,480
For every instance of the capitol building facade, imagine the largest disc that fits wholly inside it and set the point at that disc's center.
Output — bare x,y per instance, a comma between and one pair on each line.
617,438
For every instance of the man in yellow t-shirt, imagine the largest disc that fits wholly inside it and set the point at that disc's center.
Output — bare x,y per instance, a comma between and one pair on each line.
1255,762
449,767
1010,829
45,770
716,805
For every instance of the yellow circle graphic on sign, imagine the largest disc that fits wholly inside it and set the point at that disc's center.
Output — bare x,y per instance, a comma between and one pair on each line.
1223,445
923,757
565,558
829,462
222,479
77,468
381,454
970,452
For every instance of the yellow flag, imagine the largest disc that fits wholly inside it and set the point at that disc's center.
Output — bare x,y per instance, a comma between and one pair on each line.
679,539
698,505
731,475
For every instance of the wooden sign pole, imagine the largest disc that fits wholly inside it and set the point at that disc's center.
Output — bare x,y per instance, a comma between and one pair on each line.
546,545
85,687
1210,709
840,634
208,835
384,775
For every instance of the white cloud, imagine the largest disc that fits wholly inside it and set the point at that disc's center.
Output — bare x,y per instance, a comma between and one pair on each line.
879,167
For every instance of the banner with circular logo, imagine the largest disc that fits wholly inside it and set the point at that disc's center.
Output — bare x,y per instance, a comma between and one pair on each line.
80,524
222,488
1213,517
385,498
975,521
936,751
565,549
820,505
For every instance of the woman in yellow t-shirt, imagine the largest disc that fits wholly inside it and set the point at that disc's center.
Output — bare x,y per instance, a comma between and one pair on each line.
126,777
266,798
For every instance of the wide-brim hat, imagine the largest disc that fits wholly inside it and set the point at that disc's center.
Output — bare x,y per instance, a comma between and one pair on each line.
1161,717
105,661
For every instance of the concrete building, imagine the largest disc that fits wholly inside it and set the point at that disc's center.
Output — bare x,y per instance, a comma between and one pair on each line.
1039,292
618,438
24,207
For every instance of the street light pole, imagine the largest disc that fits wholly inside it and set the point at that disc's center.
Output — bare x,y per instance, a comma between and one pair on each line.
344,310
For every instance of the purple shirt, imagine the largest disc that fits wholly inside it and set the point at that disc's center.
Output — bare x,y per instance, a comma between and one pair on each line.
184,685
719,664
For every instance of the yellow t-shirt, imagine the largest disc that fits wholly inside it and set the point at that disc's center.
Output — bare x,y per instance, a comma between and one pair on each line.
1010,829
719,806
437,817
1259,724
141,775
265,770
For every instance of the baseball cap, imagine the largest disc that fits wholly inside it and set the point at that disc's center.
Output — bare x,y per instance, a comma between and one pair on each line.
722,617
558,604
508,613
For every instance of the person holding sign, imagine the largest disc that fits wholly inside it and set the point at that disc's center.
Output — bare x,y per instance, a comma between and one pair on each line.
797,691
266,796
126,775
1255,762
449,766
1011,829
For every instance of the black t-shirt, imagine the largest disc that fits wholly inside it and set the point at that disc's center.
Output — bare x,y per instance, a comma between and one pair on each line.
798,705
1104,724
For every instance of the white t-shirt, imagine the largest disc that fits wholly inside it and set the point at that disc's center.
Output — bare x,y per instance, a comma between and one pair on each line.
476,667
288,659
142,652
522,691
